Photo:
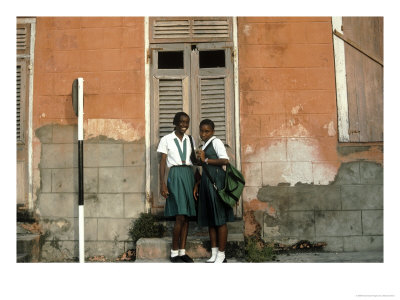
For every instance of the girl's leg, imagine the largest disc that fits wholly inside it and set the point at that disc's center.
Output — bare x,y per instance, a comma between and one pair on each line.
182,243
222,239
184,232
213,239
179,221
212,231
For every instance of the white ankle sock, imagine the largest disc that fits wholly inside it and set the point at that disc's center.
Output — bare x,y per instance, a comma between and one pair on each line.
174,253
213,254
220,257
182,252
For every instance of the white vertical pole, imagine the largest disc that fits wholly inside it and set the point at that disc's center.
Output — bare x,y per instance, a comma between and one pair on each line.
80,167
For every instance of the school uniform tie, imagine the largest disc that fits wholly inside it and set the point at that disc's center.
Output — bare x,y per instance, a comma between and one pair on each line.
182,154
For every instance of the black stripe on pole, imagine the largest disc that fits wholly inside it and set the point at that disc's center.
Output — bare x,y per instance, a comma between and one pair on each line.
80,167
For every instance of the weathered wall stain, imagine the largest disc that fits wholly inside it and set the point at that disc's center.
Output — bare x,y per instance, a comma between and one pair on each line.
114,129
327,213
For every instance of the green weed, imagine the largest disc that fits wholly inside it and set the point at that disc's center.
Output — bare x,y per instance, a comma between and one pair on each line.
146,226
258,251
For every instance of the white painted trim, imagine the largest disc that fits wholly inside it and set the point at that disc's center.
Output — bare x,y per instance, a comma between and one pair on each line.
81,234
80,109
30,114
236,88
147,109
26,20
341,84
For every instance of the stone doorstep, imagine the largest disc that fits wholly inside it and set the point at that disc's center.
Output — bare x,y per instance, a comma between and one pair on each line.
158,249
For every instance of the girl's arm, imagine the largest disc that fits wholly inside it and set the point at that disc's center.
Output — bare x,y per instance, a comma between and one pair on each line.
197,178
214,162
163,187
196,190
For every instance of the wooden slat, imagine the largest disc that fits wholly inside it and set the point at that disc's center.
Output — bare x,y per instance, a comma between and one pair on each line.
212,93
171,29
170,102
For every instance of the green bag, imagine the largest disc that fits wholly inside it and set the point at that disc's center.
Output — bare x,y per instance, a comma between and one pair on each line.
234,185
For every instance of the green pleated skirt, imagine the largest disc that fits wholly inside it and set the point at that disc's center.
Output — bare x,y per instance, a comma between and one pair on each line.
180,185
212,211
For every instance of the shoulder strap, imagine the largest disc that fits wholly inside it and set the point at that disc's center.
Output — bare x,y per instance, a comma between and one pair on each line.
210,143
205,169
191,143
193,154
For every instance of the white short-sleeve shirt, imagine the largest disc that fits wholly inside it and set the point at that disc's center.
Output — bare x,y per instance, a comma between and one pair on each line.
219,147
167,146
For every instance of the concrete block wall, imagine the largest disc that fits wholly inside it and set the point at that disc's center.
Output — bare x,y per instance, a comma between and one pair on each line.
108,52
113,187
347,215
300,182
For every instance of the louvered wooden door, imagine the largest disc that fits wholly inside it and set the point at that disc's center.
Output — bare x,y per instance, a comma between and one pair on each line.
196,78
212,88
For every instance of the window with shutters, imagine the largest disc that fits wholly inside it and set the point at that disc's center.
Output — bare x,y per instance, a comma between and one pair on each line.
191,71
361,111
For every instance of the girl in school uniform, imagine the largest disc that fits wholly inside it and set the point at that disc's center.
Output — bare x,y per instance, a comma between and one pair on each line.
212,212
175,152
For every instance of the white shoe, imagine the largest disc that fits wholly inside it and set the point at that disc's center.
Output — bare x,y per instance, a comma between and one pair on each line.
220,257
213,255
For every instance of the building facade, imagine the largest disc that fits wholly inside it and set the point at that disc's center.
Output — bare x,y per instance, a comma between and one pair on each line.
299,102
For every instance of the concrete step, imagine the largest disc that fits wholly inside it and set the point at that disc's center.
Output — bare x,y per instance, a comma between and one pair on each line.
197,247
28,245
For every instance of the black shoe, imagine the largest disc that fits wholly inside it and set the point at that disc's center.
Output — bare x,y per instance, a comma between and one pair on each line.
176,259
186,258
225,261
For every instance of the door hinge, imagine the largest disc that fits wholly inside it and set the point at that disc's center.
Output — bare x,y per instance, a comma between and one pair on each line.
150,54
354,131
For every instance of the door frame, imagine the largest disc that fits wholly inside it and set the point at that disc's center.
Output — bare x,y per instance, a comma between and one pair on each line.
148,106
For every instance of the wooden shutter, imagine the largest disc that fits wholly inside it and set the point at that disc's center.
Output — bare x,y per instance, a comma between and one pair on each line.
171,29
170,94
212,98
23,38
214,93
208,28
190,29
364,78
21,100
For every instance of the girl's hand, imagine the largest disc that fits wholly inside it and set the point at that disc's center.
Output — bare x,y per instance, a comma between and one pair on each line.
201,155
164,190
196,192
